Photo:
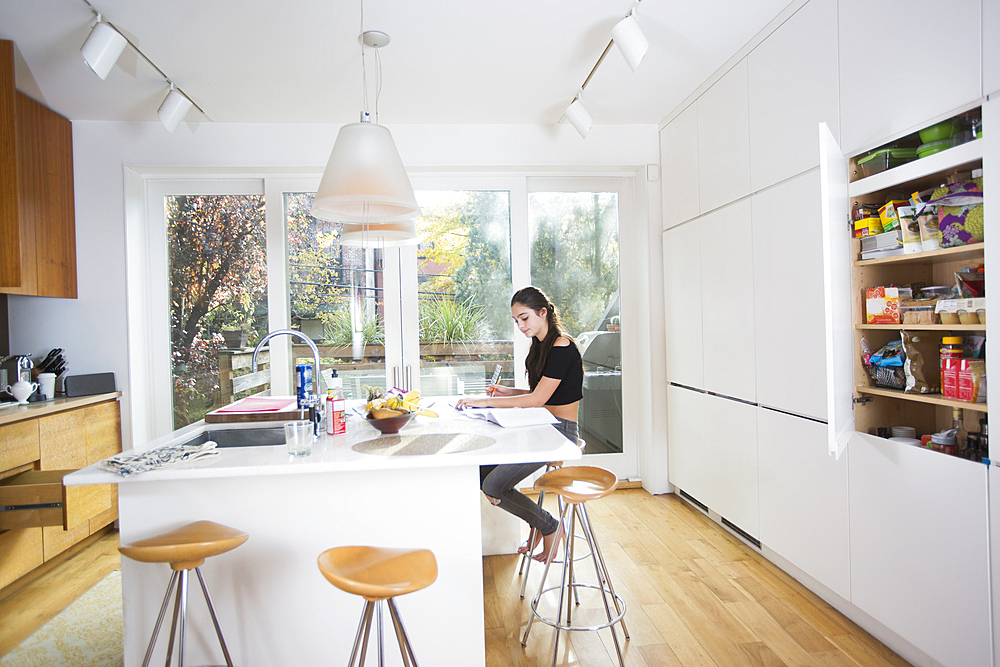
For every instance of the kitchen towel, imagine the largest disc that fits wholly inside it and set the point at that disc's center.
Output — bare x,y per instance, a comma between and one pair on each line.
161,457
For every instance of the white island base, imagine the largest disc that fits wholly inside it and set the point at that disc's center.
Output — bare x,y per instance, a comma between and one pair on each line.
275,607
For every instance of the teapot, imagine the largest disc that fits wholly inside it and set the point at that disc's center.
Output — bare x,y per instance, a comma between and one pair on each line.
21,390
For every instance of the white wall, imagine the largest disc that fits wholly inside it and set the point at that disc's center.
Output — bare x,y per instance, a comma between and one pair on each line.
92,329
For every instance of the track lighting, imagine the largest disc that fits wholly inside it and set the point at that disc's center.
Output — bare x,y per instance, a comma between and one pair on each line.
103,48
173,109
633,46
628,37
365,180
578,115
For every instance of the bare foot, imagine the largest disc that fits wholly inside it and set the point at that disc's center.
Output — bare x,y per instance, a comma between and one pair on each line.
550,544
529,546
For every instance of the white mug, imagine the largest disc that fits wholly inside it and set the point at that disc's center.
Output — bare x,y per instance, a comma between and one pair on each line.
22,390
47,385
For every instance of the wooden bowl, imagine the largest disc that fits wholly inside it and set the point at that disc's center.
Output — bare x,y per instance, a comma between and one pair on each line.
391,425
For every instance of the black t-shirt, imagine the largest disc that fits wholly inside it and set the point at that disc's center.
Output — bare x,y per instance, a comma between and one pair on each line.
564,364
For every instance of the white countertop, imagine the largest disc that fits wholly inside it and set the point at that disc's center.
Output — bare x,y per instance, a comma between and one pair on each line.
338,454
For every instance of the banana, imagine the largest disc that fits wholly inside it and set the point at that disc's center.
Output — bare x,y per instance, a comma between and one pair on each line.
411,395
427,413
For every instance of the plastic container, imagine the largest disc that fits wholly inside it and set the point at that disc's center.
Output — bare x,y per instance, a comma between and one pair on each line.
935,291
885,158
933,147
922,314
968,317
937,132
949,318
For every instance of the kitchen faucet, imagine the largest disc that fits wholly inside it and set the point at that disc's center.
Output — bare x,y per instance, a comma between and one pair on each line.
311,400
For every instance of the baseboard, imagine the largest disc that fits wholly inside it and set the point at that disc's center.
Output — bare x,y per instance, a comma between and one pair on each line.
25,580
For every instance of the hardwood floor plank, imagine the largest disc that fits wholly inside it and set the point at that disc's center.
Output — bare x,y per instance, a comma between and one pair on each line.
772,634
864,653
714,609
718,584
684,645
660,655
760,655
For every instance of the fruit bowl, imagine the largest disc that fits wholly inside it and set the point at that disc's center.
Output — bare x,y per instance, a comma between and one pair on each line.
390,425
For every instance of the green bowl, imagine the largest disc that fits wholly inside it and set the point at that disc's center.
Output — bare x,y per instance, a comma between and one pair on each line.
937,132
933,147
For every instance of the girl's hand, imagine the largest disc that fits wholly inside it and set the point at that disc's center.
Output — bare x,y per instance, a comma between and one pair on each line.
463,403
500,390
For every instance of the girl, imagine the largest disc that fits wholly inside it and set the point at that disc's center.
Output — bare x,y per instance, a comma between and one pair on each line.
555,378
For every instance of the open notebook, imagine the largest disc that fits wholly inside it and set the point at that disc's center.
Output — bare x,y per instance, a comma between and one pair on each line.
511,417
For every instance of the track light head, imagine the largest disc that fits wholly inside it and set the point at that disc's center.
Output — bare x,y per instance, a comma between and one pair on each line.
578,115
102,48
629,39
175,106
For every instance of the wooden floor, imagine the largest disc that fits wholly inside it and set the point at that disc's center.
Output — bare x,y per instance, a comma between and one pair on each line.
27,606
696,596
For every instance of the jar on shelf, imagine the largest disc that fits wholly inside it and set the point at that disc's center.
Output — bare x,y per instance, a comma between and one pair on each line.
951,359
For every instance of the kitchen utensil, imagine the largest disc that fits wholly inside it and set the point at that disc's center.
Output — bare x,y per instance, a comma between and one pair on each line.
47,383
299,437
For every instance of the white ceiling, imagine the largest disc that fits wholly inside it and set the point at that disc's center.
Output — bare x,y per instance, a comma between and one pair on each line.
449,62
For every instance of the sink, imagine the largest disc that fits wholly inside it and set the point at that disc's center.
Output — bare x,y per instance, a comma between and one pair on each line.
241,437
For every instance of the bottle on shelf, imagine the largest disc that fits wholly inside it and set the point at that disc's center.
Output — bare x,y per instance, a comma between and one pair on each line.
984,445
959,427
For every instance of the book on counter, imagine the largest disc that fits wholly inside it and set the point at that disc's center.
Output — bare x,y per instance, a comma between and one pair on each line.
512,417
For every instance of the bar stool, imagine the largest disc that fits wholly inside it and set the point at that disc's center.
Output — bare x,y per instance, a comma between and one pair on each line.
575,486
526,556
185,548
378,575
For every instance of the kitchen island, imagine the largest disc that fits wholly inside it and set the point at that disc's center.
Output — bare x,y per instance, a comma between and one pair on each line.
274,604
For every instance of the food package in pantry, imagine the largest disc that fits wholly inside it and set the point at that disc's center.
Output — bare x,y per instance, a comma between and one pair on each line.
910,228
972,380
867,227
960,212
882,305
889,216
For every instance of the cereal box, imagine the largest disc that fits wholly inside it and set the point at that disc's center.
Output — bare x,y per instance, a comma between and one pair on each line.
889,215
882,305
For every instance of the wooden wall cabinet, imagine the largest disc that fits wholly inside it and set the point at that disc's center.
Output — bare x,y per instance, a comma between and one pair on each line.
37,215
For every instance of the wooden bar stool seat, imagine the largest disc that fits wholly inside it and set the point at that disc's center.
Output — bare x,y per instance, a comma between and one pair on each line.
379,575
185,549
575,486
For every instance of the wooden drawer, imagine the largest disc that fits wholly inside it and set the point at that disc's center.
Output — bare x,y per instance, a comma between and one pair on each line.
19,444
63,440
20,553
103,431
38,498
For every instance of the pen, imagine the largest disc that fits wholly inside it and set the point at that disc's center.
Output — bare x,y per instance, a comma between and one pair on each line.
496,378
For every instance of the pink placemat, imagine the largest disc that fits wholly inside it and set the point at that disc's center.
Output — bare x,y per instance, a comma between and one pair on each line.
255,404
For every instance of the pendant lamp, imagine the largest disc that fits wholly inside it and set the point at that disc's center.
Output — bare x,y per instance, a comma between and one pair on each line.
391,234
364,180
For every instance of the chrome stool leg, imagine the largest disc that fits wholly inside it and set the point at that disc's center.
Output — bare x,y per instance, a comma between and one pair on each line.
215,618
362,626
611,587
159,619
541,585
409,660
173,623
588,530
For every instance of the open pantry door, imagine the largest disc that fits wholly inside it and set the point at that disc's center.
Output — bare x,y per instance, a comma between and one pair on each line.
836,215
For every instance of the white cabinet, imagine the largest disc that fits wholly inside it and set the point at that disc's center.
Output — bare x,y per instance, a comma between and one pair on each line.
991,47
727,301
919,547
689,463
724,140
788,297
793,86
713,453
679,167
903,62
994,481
803,499
682,304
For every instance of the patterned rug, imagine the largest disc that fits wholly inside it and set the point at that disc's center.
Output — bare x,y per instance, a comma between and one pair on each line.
88,633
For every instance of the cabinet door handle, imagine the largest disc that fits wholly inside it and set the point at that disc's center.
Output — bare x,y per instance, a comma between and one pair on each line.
395,376
409,384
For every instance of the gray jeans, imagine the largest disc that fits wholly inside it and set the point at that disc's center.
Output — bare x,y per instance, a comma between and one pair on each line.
500,481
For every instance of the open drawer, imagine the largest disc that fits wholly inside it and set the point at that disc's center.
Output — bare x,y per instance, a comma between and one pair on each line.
38,498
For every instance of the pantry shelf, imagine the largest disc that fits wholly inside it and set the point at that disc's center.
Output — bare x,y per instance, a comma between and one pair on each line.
922,327
963,155
934,399
957,253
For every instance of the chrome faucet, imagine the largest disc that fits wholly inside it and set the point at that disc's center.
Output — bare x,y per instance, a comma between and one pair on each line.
311,400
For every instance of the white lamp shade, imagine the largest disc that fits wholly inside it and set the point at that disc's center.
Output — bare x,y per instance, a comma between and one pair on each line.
579,117
173,109
102,49
360,235
365,180
630,41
